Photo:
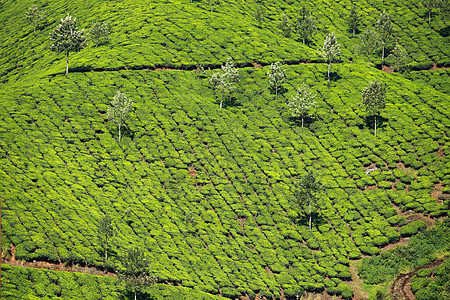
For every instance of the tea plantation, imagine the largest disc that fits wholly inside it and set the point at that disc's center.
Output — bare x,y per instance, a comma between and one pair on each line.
209,192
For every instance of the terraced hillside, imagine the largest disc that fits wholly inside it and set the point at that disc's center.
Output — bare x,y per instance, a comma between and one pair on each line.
208,192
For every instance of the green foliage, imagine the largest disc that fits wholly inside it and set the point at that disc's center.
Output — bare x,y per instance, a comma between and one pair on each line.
368,43
354,20
119,110
99,33
374,99
135,269
432,283
302,103
276,75
284,25
385,30
105,230
225,80
330,51
421,250
307,191
34,15
305,25
66,38
398,58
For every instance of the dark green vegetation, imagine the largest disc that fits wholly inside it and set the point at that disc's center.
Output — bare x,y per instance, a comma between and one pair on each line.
29,283
432,283
421,250
208,192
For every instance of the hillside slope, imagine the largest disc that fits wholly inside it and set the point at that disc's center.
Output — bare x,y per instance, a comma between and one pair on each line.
208,192
181,34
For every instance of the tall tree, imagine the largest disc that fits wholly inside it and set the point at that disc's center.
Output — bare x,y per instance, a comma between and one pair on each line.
307,191
119,109
354,20
99,33
225,79
66,38
368,43
398,58
135,271
330,51
276,75
35,15
374,99
385,30
305,26
259,15
302,102
285,26
430,5
105,231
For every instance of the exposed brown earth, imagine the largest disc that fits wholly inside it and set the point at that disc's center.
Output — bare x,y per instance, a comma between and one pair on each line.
401,288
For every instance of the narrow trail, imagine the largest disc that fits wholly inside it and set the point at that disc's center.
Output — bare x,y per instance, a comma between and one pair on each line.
254,64
401,288
12,261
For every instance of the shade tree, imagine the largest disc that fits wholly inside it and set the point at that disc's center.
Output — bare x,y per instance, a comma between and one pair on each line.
374,99
99,33
276,75
302,103
305,25
353,20
330,51
67,38
306,192
35,15
119,110
105,231
134,272
398,58
368,43
385,30
225,80
284,25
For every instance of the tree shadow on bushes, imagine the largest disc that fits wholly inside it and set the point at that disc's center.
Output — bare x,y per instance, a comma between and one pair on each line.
307,121
227,102
142,295
281,90
334,76
316,219
370,122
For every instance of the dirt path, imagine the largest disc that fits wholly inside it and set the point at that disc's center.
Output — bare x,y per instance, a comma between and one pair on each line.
401,288
11,260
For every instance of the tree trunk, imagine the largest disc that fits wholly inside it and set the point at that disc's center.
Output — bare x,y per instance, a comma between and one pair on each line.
106,249
302,121
375,117
310,215
368,59
382,55
276,90
119,132
353,32
67,65
134,292
303,41
329,67
429,17
223,94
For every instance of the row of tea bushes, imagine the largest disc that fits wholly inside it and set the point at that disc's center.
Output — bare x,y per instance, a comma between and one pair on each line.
31,283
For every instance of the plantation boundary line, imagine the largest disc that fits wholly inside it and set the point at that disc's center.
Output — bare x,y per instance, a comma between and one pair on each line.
255,64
